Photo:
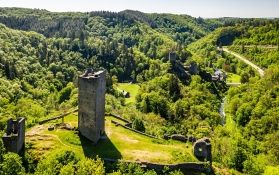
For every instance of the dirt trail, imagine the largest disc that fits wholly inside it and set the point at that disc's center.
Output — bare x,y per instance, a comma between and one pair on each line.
262,46
245,60
37,132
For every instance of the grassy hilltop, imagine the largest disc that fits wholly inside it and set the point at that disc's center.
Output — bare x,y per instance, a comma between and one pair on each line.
120,144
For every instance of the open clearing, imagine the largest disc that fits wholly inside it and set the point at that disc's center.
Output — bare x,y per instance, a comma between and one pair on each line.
233,78
119,143
131,88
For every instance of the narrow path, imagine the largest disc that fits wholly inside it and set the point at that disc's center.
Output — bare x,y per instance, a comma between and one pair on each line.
261,46
55,136
245,60
38,131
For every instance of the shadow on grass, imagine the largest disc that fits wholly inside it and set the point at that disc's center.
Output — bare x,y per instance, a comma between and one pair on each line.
104,148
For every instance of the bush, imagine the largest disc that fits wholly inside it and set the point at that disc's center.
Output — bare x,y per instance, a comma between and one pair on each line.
12,165
271,170
53,164
88,166
2,149
67,169
138,125
65,93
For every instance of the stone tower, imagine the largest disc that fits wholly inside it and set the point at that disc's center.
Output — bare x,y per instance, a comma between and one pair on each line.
91,104
14,138
202,149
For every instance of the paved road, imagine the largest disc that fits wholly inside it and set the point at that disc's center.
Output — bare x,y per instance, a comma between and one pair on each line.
245,60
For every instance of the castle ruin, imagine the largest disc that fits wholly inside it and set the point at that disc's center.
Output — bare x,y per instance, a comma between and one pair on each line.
14,138
91,102
202,149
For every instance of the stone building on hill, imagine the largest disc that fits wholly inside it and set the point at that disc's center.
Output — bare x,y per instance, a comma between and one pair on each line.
219,76
91,103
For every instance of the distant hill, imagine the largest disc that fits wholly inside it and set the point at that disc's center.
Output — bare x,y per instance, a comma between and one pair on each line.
182,28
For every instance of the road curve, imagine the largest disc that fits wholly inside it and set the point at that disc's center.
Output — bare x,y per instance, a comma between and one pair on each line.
245,60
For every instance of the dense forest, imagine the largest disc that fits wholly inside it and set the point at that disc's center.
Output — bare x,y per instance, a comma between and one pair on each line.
42,53
247,142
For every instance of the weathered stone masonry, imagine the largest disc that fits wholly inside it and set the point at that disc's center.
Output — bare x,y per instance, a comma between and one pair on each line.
91,102
202,149
14,138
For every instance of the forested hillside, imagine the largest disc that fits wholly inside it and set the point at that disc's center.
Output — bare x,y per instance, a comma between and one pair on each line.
254,106
42,53
260,44
40,66
247,142
182,28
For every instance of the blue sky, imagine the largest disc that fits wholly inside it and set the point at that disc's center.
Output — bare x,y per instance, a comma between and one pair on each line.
203,8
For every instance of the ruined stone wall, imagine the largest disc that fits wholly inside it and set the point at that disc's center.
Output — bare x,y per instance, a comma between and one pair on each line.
119,117
185,167
57,117
91,101
14,138
202,149
134,130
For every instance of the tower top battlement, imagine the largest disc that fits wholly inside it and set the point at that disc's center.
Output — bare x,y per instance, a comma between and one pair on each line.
89,73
